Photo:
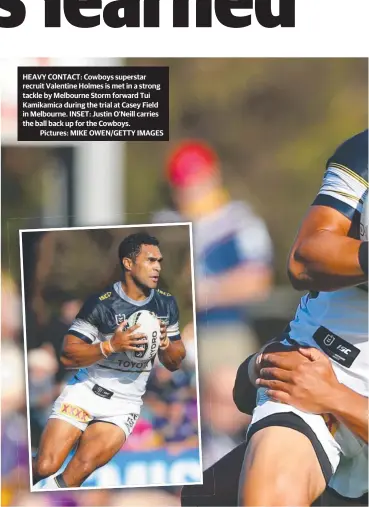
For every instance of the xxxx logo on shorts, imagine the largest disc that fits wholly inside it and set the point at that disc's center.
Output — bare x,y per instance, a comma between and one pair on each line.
75,412
331,423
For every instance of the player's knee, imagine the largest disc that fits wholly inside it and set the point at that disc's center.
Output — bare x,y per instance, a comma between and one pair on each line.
84,466
46,466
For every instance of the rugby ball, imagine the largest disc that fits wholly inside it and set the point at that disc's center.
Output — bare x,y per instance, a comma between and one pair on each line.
150,326
364,219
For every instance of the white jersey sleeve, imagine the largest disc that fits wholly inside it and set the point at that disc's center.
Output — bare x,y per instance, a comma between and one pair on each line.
173,325
345,181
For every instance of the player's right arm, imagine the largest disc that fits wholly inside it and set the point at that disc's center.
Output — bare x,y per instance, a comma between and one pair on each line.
78,354
324,257
82,347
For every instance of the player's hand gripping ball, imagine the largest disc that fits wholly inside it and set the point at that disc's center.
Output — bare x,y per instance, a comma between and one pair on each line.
150,326
364,219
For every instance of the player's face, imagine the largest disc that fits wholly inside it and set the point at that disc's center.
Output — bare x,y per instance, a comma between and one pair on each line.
146,269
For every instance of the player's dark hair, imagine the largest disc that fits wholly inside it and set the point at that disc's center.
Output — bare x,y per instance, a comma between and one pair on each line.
131,245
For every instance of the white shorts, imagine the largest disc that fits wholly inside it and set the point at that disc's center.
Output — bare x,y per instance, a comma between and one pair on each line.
79,405
338,449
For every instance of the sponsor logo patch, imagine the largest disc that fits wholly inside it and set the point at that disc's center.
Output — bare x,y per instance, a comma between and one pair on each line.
102,392
133,366
76,412
105,296
131,421
119,318
336,347
163,293
328,340
164,319
142,352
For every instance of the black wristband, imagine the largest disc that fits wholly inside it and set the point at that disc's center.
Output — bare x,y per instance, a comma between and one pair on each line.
363,256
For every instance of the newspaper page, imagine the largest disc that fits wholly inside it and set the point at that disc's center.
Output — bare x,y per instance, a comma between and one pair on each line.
184,252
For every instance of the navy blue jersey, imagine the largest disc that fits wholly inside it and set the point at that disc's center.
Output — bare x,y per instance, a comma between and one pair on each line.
97,321
103,312
337,321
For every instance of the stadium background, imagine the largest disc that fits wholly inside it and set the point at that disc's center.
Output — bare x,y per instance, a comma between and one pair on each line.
273,124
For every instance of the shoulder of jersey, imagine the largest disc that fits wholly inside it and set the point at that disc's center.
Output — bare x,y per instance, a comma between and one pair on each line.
352,156
162,293
105,295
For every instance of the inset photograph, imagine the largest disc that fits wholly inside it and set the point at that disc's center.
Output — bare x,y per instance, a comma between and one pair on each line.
111,357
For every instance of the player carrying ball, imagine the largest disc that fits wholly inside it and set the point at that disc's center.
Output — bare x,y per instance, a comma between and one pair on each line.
101,403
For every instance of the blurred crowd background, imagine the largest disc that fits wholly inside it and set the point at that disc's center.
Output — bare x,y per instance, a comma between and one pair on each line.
249,142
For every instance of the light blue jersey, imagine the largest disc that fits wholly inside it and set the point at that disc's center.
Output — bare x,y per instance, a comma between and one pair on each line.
337,322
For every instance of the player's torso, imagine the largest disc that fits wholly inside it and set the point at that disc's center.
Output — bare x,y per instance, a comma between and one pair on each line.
119,372
337,322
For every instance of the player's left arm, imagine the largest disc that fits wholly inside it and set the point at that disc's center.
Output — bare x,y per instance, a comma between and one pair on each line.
172,350
312,386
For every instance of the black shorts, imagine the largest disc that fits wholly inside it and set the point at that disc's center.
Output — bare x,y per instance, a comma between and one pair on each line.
221,481
293,421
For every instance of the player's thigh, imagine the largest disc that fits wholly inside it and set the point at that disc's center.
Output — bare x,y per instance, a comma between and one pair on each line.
280,468
57,440
98,444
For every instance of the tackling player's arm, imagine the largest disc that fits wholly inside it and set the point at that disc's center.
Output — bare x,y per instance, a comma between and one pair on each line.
306,380
325,256
244,389
79,349
303,378
172,350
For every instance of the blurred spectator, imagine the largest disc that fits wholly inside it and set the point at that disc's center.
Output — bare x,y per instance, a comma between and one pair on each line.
177,427
58,325
12,371
172,401
188,337
232,251
42,367
25,499
95,497
10,308
46,372
14,446
140,498
222,425
143,437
